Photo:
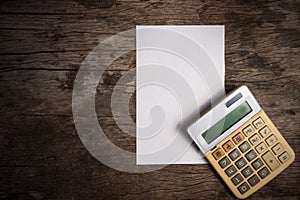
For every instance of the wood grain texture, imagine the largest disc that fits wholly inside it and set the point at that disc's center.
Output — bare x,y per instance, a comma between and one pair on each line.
43,44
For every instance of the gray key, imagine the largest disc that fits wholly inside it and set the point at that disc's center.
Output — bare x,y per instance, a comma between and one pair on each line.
240,163
244,147
253,180
251,155
247,171
257,164
224,162
234,154
230,171
237,179
263,173
243,188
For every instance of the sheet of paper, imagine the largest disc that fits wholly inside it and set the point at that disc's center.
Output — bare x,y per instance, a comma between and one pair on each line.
180,71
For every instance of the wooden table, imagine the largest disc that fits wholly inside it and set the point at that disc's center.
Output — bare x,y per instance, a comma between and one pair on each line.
43,44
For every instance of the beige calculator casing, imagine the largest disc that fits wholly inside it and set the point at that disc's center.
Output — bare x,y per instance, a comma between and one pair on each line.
218,112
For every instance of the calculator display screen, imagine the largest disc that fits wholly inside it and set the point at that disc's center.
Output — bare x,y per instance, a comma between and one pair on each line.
224,124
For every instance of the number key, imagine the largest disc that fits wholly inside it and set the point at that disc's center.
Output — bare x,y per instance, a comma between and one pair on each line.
247,172
230,171
234,154
257,164
251,155
244,188
244,147
224,162
237,179
240,163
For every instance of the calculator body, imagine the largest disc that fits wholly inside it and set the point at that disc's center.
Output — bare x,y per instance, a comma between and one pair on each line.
241,142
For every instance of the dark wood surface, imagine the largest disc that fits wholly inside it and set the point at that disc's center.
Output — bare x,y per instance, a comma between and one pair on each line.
43,44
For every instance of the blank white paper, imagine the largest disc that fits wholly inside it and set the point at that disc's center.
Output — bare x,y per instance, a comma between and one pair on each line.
180,71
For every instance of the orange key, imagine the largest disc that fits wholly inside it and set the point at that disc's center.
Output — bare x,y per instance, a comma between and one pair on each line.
238,138
218,153
228,146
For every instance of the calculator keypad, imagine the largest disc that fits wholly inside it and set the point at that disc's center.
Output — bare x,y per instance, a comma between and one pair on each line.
249,156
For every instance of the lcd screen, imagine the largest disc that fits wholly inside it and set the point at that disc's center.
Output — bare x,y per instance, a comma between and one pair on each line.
228,121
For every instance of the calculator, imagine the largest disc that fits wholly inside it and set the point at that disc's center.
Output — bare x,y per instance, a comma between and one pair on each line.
241,142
